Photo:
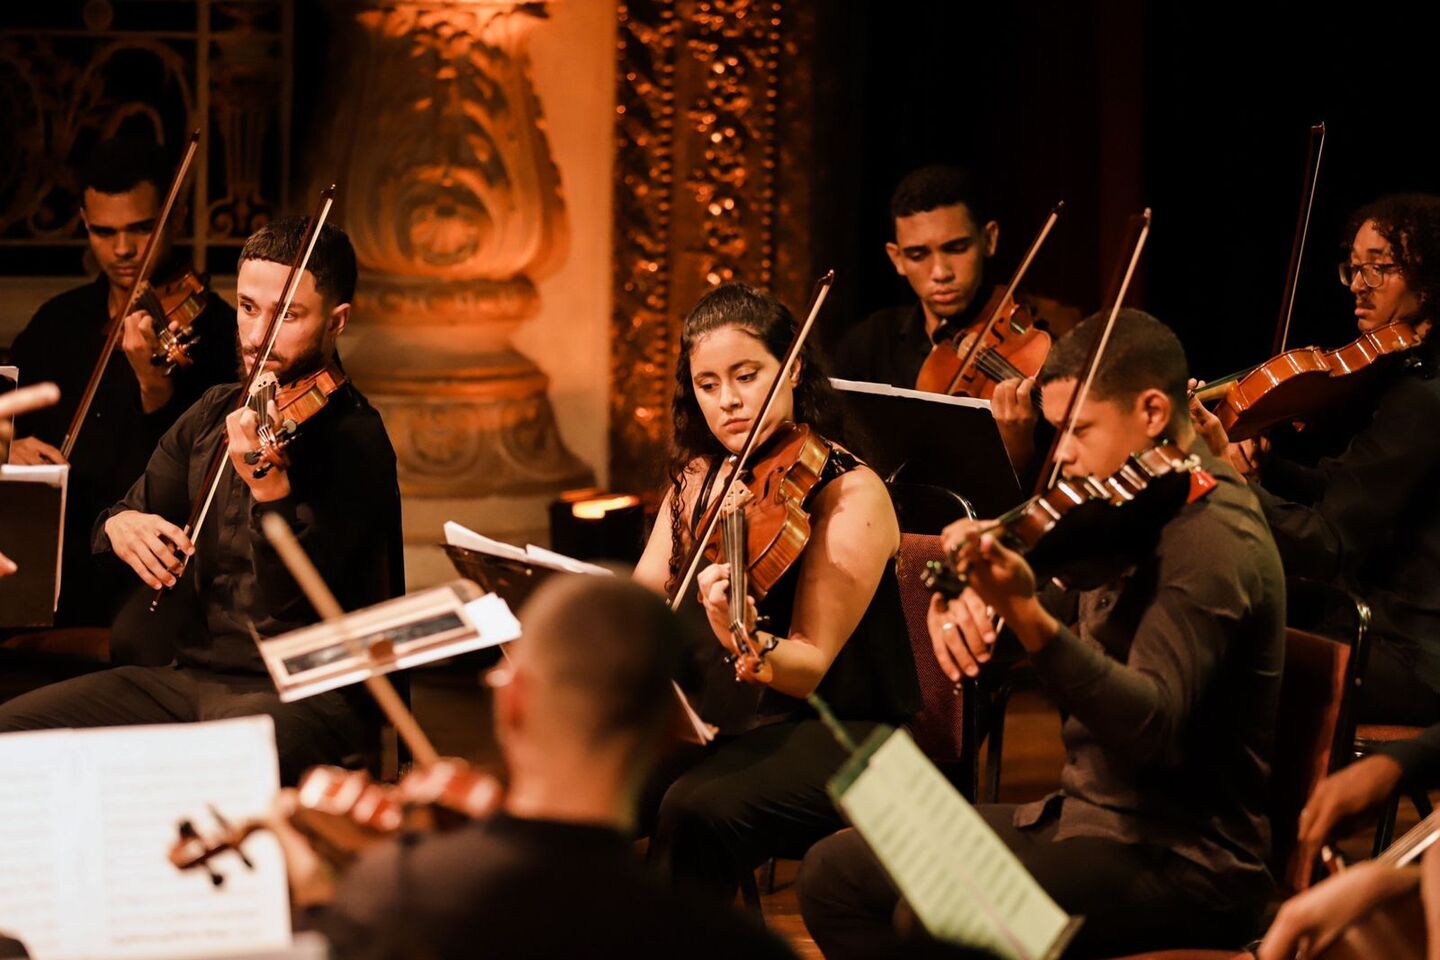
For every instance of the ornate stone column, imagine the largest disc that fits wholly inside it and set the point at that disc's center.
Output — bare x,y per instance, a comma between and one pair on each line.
449,192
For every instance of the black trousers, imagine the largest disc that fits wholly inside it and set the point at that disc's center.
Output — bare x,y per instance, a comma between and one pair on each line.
1133,897
715,812
1392,692
325,728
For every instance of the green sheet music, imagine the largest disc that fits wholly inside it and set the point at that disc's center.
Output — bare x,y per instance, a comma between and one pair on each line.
963,883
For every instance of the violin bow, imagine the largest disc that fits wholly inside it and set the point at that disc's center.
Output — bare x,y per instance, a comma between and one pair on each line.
697,552
973,354
1302,230
302,568
1140,230
142,276
216,470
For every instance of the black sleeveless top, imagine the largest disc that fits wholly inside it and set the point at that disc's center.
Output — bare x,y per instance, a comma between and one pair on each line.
873,676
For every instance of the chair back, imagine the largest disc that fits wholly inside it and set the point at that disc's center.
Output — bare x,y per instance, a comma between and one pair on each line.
1311,695
945,727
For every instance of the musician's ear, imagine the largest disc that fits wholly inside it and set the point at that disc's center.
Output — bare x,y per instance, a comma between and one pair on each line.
1155,409
892,250
991,232
338,318
795,373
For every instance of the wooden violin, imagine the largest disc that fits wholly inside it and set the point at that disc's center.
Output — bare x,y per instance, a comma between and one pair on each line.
970,362
764,527
1084,531
1305,381
281,411
343,812
179,301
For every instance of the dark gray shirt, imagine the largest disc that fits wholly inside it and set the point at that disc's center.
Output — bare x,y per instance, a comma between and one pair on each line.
1169,685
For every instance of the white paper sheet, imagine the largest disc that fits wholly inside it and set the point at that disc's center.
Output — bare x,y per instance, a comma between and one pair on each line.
84,871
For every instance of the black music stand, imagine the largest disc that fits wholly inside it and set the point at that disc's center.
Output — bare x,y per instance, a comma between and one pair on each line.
32,514
929,438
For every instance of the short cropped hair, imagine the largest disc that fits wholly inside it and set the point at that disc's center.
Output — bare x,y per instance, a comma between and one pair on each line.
332,263
615,645
121,164
930,188
1142,354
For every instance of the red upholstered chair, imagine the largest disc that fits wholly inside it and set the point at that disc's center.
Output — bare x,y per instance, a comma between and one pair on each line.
947,725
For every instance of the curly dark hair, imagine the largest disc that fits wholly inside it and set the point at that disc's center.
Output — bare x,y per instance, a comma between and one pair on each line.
930,188
1410,222
768,320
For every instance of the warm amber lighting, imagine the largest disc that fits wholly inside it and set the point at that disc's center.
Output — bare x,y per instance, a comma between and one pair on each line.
596,507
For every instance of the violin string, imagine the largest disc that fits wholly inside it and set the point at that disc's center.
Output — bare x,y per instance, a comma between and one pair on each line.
1413,843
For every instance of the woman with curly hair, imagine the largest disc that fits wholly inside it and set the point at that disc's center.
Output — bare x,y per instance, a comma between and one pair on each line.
831,624
1370,518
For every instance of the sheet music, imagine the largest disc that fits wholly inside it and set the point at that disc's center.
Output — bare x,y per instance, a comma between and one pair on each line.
90,827
558,561
963,883
458,535
886,390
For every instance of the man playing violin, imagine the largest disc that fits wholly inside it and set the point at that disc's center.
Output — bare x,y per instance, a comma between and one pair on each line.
1369,517
338,492
831,624
123,185
944,239
583,710
1167,678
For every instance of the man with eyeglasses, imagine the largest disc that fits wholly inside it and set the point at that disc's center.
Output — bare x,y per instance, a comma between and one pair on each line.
1370,518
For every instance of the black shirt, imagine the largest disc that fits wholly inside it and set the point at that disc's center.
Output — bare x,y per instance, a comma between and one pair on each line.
1419,758
344,508
1370,517
871,678
61,343
508,887
889,346
1169,688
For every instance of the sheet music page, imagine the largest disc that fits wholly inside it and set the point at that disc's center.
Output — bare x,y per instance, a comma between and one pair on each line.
964,884
887,390
458,535
558,561
122,793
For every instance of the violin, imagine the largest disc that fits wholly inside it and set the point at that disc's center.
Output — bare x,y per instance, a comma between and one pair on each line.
764,528
180,301
343,812
1009,346
1058,530
282,410
971,361
1302,382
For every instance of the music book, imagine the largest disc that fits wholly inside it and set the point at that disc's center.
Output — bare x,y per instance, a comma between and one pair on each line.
398,634
958,876
514,572
32,527
950,442
86,830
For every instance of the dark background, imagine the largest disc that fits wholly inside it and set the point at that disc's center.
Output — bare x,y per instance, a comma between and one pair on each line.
1200,111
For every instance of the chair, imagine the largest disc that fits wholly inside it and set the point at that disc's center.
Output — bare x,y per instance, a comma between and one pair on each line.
1312,730
947,726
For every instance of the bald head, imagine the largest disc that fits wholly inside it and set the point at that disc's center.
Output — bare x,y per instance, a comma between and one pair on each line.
602,652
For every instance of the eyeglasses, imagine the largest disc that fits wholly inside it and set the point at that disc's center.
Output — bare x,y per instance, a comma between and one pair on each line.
1371,274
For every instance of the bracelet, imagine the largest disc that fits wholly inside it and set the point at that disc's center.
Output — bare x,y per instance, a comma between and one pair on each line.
770,642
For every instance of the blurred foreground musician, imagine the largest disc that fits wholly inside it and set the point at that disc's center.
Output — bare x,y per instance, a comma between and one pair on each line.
583,711
123,186
1168,685
339,494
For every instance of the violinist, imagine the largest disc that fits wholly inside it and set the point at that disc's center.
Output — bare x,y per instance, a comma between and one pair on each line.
831,624
338,493
122,186
1369,517
1167,678
944,240
582,712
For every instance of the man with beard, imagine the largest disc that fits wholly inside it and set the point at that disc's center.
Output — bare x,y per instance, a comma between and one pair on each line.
338,493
